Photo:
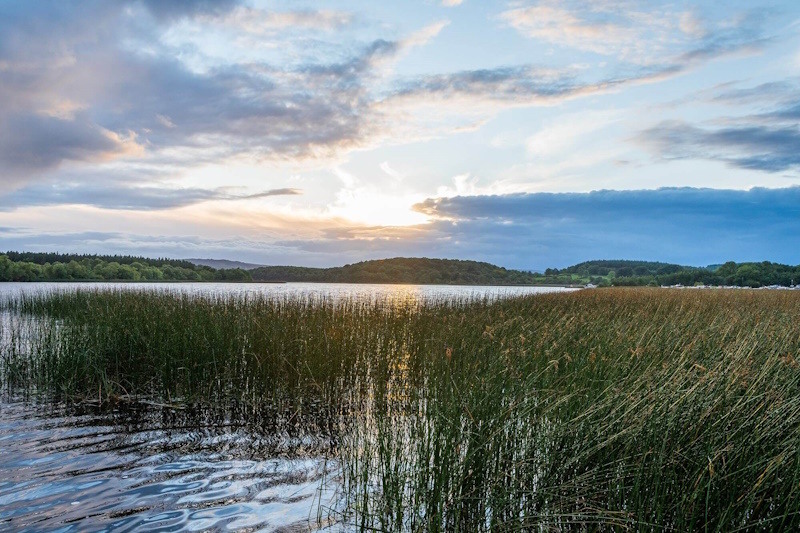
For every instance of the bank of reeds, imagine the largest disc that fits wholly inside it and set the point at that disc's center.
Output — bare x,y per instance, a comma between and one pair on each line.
644,409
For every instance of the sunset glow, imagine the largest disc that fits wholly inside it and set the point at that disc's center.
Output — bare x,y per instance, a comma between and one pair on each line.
275,132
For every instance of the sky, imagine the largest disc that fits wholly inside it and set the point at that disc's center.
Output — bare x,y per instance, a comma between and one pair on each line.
529,134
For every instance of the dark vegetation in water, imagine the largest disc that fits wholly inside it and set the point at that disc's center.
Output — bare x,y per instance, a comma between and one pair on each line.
608,409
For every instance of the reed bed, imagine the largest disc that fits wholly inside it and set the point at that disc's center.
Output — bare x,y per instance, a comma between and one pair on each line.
618,409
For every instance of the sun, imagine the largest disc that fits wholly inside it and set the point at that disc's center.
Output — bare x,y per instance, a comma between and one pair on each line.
378,209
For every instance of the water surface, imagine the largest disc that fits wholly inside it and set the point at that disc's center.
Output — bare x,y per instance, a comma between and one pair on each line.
313,290
62,470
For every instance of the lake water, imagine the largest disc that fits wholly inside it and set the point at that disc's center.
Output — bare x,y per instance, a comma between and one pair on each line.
304,290
157,469
66,471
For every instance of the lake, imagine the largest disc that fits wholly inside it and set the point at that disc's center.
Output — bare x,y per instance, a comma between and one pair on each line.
303,290
153,468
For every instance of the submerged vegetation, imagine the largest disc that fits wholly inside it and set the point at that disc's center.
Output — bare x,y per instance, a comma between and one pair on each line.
611,409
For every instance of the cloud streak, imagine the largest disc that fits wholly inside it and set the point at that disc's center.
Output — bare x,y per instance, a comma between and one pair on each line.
764,141
120,196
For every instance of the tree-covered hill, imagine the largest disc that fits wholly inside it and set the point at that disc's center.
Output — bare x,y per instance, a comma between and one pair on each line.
621,272
42,258
402,270
622,268
27,266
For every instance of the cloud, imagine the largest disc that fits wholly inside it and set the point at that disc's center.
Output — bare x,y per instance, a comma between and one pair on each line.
766,140
75,93
176,9
32,143
452,3
686,225
560,136
155,245
527,231
118,195
83,86
483,92
424,35
258,21
558,25
771,149
95,82
641,33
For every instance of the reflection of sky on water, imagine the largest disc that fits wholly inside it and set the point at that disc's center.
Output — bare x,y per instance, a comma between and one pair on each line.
304,290
84,473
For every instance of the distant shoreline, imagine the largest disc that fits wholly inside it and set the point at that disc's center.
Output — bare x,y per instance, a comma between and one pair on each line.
257,282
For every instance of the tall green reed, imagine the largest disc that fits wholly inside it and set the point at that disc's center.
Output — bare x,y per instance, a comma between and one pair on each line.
609,409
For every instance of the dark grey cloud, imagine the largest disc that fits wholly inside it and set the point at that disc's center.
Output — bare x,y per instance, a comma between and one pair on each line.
504,83
42,142
118,195
75,82
683,225
174,9
771,149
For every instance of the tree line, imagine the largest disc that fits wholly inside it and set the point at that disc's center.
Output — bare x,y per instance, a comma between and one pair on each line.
411,270
27,266
17,266
641,273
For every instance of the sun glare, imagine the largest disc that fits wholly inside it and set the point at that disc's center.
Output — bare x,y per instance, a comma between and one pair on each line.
376,209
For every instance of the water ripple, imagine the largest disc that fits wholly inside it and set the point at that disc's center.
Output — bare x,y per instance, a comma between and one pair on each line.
66,471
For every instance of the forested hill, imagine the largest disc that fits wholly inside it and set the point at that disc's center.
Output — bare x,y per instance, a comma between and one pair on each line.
604,273
402,270
32,266
42,258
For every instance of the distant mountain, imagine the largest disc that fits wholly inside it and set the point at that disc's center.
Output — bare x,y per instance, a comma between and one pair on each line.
223,263
402,270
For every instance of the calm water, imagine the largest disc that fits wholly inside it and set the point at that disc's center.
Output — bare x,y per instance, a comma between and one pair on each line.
158,469
313,290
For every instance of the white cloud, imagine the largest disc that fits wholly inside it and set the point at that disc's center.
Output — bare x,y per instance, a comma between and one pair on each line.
564,134
423,36
639,33
165,121
557,25
691,25
386,168
260,21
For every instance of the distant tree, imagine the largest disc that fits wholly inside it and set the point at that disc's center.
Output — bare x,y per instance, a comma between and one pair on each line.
624,272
